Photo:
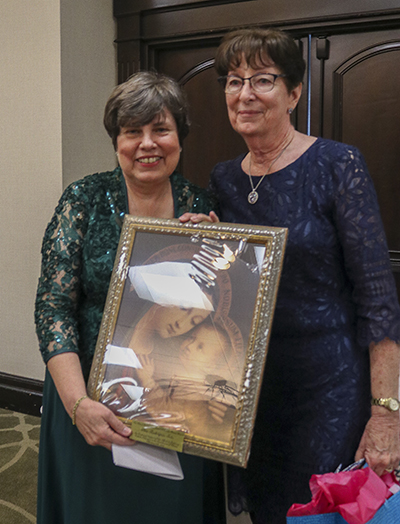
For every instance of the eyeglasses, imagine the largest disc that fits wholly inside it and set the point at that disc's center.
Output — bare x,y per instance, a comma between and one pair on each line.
260,82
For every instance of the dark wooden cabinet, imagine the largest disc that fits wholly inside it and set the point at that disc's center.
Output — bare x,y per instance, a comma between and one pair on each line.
351,89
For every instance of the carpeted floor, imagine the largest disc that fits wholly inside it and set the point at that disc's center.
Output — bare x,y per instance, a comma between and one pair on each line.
19,446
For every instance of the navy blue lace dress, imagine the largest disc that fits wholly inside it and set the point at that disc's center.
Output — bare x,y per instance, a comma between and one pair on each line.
337,294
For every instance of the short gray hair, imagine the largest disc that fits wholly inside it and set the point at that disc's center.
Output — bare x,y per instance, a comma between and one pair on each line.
141,98
257,47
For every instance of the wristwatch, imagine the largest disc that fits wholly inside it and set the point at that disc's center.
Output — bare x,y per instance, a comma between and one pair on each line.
392,404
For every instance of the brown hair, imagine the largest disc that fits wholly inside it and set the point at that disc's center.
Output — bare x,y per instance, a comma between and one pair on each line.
259,47
140,99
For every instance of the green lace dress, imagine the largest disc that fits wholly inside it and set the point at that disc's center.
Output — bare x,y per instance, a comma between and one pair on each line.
79,484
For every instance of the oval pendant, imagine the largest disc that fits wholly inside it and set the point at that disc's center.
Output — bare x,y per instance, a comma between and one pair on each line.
253,197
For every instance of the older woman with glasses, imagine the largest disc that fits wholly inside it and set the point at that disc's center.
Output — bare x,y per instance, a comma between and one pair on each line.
334,345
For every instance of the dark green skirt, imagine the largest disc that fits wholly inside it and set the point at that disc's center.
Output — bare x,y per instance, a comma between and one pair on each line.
79,484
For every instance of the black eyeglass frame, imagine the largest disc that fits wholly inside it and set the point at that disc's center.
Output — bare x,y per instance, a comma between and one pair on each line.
223,79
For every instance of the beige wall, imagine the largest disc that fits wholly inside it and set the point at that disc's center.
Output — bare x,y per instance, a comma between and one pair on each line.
57,67
88,74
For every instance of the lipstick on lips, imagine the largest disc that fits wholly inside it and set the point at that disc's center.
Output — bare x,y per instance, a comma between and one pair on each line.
248,113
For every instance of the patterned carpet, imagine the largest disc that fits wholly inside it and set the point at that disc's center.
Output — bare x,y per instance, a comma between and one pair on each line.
19,446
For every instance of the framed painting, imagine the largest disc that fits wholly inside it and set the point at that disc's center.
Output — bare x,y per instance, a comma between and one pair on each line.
184,336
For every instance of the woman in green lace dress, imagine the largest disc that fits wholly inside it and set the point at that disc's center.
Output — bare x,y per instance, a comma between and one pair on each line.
146,118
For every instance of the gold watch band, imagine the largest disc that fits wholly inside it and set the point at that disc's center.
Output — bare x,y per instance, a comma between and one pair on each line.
390,403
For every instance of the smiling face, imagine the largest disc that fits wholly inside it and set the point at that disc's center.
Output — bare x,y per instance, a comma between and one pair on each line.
255,114
149,154
173,321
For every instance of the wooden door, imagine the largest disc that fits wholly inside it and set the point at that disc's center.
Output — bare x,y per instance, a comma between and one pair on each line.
211,138
362,108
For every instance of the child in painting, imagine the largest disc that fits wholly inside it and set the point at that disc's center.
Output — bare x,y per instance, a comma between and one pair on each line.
197,392
205,350
159,333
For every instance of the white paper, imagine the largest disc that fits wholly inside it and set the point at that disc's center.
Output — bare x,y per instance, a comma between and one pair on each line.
168,284
148,459
121,356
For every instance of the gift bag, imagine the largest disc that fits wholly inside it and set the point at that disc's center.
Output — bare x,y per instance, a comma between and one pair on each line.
324,518
389,513
350,497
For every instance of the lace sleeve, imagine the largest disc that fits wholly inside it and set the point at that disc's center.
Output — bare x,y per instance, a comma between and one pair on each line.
365,252
190,198
59,284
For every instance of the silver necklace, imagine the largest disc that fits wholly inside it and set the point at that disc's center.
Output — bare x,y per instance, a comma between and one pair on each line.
253,195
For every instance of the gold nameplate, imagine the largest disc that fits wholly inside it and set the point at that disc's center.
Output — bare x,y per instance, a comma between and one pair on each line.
157,435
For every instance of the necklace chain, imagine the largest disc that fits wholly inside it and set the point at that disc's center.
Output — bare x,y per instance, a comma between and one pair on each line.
252,197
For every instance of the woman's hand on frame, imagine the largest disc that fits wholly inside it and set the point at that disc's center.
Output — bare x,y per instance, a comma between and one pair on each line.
100,427
196,218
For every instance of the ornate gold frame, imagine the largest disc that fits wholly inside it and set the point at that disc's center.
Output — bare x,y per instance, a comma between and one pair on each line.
259,297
